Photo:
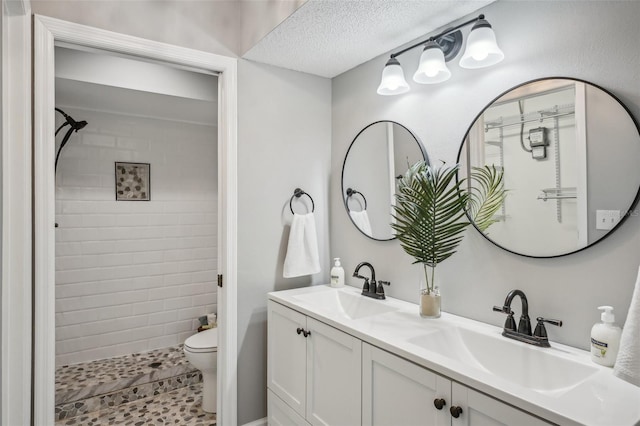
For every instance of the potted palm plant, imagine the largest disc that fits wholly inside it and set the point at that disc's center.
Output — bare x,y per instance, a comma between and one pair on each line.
433,210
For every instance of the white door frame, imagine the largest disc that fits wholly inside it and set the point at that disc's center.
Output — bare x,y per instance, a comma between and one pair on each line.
15,88
47,32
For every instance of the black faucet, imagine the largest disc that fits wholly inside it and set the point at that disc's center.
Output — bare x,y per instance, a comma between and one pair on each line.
524,325
523,333
370,288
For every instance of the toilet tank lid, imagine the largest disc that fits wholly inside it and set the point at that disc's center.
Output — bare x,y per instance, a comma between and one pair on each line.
203,340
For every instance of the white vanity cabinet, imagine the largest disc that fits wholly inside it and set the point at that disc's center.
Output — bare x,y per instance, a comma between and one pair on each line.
397,392
313,368
480,409
280,414
377,362
319,375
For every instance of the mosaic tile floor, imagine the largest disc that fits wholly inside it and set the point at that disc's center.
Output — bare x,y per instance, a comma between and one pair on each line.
78,381
141,391
178,407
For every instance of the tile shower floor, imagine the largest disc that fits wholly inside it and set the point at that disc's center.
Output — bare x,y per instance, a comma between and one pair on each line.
158,387
179,407
77,381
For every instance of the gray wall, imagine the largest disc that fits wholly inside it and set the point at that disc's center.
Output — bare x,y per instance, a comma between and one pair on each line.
284,142
208,26
570,39
226,27
612,161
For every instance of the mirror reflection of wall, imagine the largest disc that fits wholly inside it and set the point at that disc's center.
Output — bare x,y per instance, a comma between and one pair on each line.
562,144
377,156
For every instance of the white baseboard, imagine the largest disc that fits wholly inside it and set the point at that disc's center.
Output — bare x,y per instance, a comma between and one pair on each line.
259,422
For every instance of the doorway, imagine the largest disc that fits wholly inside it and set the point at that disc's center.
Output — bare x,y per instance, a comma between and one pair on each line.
49,34
136,244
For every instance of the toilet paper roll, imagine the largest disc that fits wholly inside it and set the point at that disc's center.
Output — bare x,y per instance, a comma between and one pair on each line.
211,318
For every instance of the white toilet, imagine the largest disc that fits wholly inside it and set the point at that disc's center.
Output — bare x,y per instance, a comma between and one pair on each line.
201,350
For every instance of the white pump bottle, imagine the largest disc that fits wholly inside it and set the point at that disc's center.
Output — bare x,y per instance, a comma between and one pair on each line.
337,274
605,338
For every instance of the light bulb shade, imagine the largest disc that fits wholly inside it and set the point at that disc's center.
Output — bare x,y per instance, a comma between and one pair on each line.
392,82
432,68
482,49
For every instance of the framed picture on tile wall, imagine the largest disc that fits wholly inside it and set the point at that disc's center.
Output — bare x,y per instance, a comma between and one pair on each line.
133,181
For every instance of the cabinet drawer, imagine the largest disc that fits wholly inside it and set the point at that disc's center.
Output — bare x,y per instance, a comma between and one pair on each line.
280,414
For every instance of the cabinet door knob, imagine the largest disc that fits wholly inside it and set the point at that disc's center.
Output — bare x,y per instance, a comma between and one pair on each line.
302,331
439,403
455,411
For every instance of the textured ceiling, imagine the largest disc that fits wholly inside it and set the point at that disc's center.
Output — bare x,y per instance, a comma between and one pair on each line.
329,37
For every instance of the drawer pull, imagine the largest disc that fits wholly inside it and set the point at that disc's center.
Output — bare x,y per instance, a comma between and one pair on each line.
439,403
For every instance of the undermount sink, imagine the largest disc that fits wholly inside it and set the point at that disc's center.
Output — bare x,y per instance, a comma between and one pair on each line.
537,369
351,305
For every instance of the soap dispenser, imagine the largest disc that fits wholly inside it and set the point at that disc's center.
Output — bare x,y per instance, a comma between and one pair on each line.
605,338
337,274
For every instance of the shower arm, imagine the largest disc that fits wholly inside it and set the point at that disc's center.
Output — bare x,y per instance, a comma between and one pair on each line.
64,142
66,123
74,126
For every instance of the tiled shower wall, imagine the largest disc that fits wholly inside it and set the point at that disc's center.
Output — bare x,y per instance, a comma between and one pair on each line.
133,275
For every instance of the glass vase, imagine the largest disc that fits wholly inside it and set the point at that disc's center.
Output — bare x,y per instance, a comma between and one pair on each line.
429,303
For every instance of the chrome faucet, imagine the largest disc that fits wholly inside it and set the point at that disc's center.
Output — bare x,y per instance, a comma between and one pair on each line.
523,333
370,289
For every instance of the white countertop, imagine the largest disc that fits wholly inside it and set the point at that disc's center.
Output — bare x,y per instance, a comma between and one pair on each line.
599,399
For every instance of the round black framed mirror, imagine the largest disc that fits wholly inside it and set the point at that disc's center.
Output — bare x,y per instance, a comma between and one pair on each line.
377,156
569,150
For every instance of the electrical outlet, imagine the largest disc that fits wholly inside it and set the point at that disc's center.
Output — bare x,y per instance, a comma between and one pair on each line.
607,219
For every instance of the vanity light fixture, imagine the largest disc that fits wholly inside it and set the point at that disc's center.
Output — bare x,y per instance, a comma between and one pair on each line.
481,51
393,82
432,68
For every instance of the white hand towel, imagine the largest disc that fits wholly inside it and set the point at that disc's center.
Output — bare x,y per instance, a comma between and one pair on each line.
627,366
302,251
361,219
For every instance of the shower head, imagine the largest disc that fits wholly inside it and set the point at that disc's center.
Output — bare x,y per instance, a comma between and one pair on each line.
79,125
75,125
